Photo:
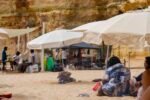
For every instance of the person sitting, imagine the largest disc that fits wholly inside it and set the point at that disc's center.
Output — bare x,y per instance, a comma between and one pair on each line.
17,60
33,63
136,82
144,93
116,79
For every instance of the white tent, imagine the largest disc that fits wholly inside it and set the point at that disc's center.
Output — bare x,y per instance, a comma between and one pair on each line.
54,39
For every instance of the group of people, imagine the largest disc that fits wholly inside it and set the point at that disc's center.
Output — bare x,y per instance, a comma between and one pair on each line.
117,80
17,62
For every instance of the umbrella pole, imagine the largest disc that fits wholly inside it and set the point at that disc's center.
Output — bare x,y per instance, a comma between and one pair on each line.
129,60
107,55
18,43
42,50
42,59
43,28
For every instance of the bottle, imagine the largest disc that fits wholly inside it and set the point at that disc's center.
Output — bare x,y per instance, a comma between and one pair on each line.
96,86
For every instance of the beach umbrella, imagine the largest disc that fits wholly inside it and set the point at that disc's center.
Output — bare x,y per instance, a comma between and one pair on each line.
130,28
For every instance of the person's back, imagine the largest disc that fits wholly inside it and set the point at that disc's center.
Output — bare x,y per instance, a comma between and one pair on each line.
64,54
17,58
144,95
32,57
146,79
4,57
117,78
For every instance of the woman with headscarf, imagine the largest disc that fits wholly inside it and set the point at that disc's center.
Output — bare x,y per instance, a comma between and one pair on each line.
116,78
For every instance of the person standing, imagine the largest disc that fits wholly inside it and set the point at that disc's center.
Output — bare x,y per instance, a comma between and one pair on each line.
57,56
64,57
4,58
32,57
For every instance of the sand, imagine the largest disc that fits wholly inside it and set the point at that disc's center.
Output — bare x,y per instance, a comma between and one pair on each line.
43,86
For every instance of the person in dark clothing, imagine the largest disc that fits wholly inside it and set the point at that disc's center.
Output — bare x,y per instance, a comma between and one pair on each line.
4,58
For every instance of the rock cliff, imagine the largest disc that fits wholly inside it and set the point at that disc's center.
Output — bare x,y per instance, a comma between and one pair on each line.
60,13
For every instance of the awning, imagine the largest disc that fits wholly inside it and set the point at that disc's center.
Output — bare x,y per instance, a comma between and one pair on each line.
15,32
84,45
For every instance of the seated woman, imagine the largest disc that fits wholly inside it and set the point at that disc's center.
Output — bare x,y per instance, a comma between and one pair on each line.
116,79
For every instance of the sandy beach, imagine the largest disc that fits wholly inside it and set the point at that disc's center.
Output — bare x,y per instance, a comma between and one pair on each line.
44,86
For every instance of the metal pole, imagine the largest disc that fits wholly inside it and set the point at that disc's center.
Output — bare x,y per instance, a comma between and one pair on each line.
28,35
18,42
42,59
129,60
42,49
43,28
107,55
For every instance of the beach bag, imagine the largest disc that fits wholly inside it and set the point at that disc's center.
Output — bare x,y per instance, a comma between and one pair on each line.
58,68
32,68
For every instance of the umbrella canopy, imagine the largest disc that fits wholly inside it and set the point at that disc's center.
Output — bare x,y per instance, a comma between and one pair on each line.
54,39
89,26
90,29
125,29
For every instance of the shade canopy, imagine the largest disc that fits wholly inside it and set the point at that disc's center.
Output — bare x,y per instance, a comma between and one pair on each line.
3,33
9,33
84,45
56,39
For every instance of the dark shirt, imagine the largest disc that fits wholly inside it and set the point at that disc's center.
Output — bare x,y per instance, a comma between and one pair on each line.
139,77
4,56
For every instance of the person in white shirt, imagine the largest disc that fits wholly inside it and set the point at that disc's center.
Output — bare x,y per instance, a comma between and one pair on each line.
64,57
17,60
33,59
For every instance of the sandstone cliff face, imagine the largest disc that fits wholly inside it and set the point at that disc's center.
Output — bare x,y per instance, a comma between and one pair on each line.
62,13
65,13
